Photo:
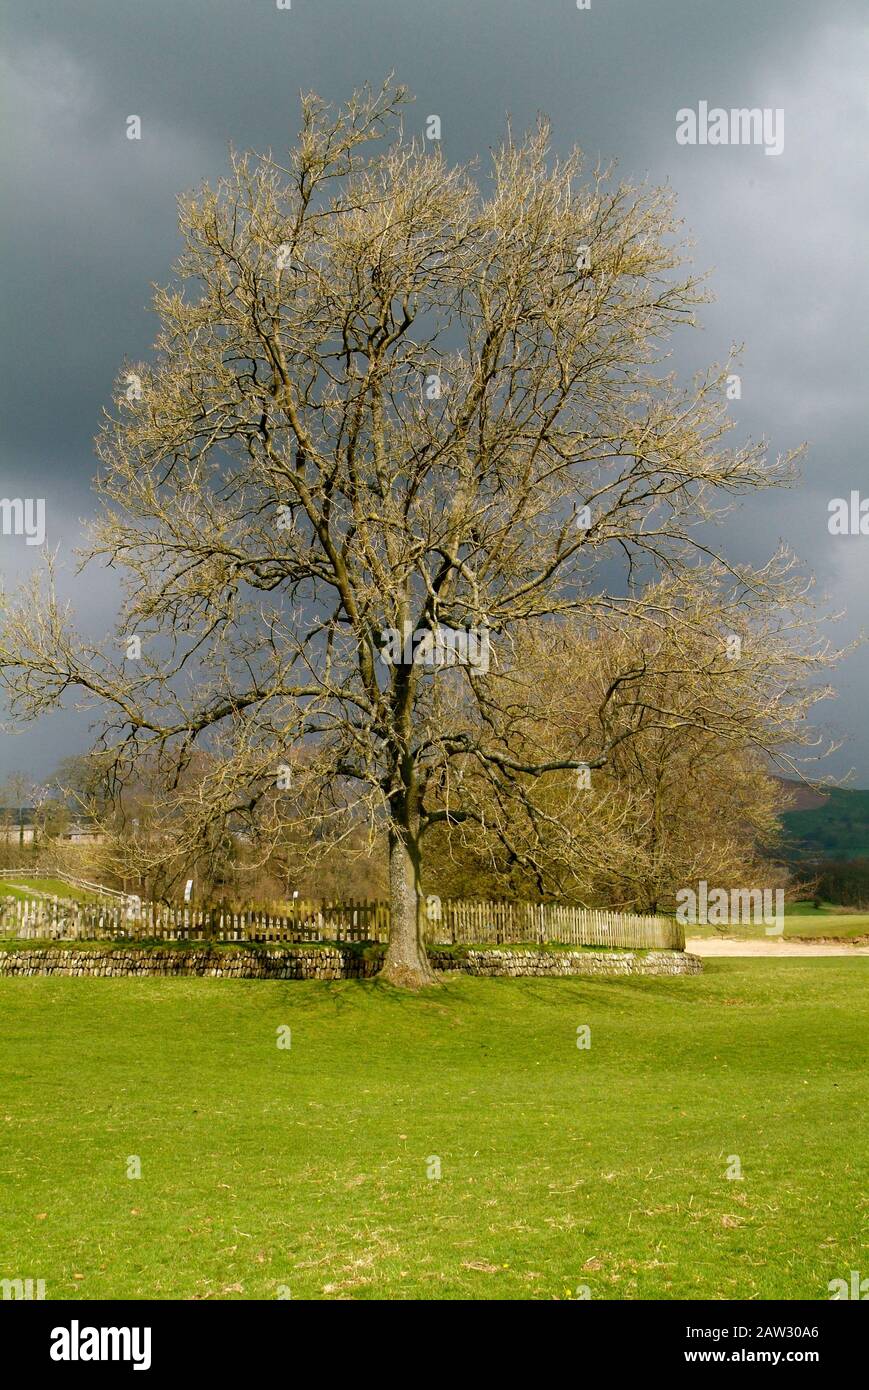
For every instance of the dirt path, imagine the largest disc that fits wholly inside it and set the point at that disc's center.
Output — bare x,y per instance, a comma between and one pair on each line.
770,946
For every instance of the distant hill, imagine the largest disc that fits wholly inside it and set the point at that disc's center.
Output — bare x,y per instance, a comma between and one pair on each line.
832,824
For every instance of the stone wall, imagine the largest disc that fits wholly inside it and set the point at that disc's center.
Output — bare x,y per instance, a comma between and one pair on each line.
332,963
495,961
295,963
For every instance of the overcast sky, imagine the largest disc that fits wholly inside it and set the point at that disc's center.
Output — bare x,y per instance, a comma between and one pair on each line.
89,217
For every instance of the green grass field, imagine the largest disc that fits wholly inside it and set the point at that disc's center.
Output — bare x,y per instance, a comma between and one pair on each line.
305,1169
27,887
802,923
838,829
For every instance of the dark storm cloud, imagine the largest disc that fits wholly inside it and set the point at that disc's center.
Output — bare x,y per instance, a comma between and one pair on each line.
91,215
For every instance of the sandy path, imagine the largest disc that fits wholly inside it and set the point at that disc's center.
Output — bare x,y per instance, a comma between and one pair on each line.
770,946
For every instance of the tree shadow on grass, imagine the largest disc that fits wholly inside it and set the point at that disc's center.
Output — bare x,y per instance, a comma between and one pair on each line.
628,989
455,993
362,995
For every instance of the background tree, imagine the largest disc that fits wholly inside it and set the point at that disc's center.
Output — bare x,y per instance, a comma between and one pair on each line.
51,820
18,793
384,398
698,701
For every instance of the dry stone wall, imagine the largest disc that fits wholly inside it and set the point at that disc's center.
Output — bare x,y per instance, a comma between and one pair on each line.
515,962
332,963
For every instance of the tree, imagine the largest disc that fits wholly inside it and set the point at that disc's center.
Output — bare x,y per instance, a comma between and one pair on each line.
146,840
698,701
19,791
50,821
393,416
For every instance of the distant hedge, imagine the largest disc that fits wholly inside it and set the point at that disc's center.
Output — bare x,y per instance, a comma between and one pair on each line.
843,881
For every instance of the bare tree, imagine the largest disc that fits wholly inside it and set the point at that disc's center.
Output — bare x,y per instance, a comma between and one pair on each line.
392,413
698,700
19,791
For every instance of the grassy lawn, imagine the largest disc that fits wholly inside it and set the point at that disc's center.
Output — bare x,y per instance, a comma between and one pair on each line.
560,1167
9,890
25,887
838,926
802,923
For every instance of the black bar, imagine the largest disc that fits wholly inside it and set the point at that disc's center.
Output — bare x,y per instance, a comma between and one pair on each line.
586,1338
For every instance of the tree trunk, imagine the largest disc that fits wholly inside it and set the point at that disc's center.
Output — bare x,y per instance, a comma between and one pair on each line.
406,963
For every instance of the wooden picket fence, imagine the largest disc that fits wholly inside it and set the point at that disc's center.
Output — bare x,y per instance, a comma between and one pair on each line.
450,921
466,921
